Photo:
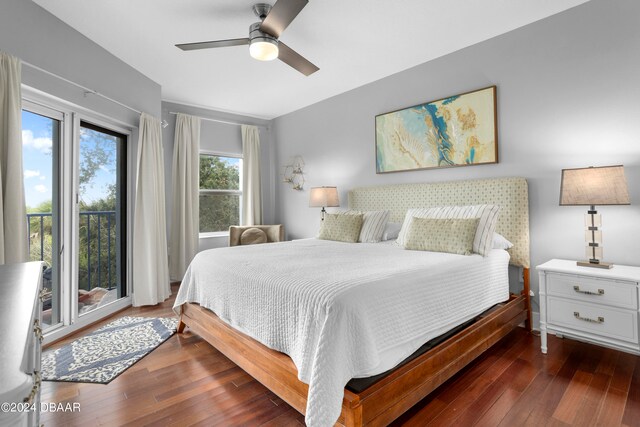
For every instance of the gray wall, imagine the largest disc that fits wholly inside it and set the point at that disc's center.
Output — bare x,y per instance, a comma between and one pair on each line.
568,96
34,35
225,139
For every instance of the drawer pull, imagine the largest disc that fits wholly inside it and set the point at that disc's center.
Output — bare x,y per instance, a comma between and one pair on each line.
600,319
577,289
37,382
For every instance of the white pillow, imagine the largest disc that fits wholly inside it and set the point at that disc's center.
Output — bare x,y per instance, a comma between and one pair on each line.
488,215
391,231
501,242
373,225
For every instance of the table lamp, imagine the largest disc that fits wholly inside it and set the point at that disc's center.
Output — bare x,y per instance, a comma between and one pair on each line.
590,187
323,197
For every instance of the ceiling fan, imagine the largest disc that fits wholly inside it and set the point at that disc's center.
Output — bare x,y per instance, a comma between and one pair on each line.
263,40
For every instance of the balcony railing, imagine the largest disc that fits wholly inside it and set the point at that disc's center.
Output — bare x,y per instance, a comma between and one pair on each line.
98,248
39,219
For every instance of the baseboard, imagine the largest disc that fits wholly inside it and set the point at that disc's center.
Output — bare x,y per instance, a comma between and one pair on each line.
535,320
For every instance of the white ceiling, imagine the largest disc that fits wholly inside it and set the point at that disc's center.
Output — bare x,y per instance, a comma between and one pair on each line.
353,43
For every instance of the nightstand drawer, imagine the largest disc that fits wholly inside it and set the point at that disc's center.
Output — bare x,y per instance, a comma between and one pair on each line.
597,291
605,321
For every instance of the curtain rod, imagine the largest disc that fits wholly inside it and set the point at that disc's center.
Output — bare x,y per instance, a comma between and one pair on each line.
228,122
84,88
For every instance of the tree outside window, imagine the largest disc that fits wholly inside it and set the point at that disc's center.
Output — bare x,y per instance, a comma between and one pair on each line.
220,192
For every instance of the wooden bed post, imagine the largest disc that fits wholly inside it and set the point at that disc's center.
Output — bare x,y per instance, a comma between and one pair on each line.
181,324
527,294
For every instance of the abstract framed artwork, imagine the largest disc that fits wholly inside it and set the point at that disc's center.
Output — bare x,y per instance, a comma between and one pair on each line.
460,130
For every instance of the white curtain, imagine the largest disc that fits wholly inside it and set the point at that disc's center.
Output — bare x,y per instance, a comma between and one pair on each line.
183,242
251,191
13,216
150,264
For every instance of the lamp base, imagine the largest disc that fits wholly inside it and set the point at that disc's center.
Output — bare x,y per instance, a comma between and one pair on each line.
594,264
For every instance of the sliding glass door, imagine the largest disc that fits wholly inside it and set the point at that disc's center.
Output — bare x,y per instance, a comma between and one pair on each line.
75,180
41,137
102,214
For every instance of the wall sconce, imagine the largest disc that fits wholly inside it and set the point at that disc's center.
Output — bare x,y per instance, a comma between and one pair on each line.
294,173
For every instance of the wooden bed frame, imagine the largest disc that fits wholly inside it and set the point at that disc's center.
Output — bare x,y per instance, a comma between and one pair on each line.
390,397
385,400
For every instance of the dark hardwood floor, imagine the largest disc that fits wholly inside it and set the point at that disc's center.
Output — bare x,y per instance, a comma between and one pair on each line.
186,382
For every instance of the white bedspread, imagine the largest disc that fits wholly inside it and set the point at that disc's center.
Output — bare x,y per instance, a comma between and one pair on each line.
342,310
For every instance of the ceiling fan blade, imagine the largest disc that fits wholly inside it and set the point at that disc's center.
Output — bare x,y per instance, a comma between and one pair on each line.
281,15
295,60
212,44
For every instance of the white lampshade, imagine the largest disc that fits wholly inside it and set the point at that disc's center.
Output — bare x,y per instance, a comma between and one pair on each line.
323,197
594,186
264,49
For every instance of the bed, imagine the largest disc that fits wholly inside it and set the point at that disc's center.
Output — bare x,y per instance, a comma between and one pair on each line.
338,311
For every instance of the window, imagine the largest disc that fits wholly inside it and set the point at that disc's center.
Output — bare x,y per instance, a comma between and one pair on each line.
220,192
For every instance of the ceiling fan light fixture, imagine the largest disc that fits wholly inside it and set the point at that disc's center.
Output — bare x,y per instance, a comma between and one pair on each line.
263,48
263,40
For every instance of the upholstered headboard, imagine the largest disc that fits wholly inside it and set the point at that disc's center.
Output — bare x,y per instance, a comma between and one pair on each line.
509,193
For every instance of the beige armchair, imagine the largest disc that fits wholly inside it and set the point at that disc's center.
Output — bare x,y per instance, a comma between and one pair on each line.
253,234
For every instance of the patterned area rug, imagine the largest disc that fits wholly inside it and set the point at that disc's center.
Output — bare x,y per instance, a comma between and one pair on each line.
107,352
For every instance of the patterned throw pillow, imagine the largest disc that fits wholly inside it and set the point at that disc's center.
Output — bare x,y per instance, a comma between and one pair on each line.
373,224
488,215
342,228
452,235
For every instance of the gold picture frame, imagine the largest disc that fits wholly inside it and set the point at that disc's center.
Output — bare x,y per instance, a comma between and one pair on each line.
460,130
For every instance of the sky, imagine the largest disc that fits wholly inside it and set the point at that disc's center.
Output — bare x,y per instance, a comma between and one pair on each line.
37,144
233,161
36,157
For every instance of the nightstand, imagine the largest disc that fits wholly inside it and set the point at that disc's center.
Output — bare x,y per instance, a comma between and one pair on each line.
590,304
